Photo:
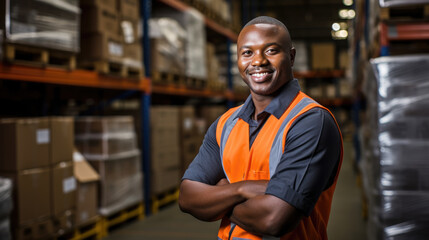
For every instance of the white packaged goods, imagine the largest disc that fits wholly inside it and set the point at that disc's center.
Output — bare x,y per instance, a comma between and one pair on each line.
396,161
6,207
43,23
168,40
390,3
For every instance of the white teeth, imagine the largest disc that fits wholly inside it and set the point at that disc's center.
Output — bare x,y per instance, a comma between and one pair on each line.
259,74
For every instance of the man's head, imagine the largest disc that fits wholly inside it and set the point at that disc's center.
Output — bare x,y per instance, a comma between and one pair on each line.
265,55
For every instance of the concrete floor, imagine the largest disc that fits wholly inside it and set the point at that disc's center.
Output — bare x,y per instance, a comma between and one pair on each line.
346,221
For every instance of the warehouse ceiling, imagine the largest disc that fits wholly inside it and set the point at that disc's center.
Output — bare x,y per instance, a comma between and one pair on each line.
309,20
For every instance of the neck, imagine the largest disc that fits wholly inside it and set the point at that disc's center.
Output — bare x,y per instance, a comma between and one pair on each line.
260,102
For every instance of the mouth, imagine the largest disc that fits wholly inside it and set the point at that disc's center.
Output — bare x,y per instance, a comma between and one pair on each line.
260,76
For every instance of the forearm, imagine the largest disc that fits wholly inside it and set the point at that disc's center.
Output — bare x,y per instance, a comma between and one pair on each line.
207,202
266,215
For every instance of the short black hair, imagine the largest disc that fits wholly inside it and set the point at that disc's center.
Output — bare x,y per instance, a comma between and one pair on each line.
266,20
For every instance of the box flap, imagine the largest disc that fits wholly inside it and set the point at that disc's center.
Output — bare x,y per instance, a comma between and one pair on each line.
82,170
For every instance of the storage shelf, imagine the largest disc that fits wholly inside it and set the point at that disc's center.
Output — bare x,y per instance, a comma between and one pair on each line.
181,6
319,74
403,31
82,78
206,93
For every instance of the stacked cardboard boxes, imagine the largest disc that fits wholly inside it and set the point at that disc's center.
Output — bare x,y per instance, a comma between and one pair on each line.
191,137
165,164
110,146
100,33
129,17
323,56
395,165
37,156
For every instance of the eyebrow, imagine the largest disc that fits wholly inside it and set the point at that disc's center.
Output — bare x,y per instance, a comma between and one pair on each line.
265,45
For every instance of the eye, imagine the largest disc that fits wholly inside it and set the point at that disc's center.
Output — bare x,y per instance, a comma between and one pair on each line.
271,51
246,53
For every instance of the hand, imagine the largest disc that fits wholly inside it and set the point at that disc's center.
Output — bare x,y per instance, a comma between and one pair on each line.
222,182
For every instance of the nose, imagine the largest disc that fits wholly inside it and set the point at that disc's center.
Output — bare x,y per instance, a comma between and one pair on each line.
259,59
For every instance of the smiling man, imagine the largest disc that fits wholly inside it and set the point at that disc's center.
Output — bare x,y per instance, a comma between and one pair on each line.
269,167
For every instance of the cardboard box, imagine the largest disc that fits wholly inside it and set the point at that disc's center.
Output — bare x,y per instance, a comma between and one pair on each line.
167,59
187,121
129,9
37,229
134,53
63,188
164,180
86,194
24,143
31,195
101,46
189,149
99,20
106,4
323,56
64,222
62,138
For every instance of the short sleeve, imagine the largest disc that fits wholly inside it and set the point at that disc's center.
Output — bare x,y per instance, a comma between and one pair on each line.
310,161
206,166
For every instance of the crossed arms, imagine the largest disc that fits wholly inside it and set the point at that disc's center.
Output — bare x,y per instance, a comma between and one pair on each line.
244,202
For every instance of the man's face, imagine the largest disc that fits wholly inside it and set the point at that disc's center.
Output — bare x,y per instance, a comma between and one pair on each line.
265,58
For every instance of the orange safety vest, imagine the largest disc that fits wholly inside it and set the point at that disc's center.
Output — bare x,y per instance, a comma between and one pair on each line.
257,163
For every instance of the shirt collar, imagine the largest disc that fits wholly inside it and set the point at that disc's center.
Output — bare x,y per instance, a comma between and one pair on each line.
277,106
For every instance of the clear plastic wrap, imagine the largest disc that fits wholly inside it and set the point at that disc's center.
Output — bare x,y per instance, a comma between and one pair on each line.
6,207
53,24
195,44
110,146
120,182
168,40
396,161
392,3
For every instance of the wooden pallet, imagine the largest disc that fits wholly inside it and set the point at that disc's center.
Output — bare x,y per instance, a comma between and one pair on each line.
168,78
191,82
135,211
113,68
89,230
163,199
39,57
405,13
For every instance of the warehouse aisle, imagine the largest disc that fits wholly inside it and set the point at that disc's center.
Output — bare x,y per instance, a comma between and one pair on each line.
346,219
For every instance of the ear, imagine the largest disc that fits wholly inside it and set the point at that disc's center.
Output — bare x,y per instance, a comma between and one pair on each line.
292,56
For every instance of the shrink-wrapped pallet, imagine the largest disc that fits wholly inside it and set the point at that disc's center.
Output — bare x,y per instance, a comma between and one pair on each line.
396,162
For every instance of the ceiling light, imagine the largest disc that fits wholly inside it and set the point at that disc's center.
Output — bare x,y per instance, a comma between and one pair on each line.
348,2
336,26
341,34
347,13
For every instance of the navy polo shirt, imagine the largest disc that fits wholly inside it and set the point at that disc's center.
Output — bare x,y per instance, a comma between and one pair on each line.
310,160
